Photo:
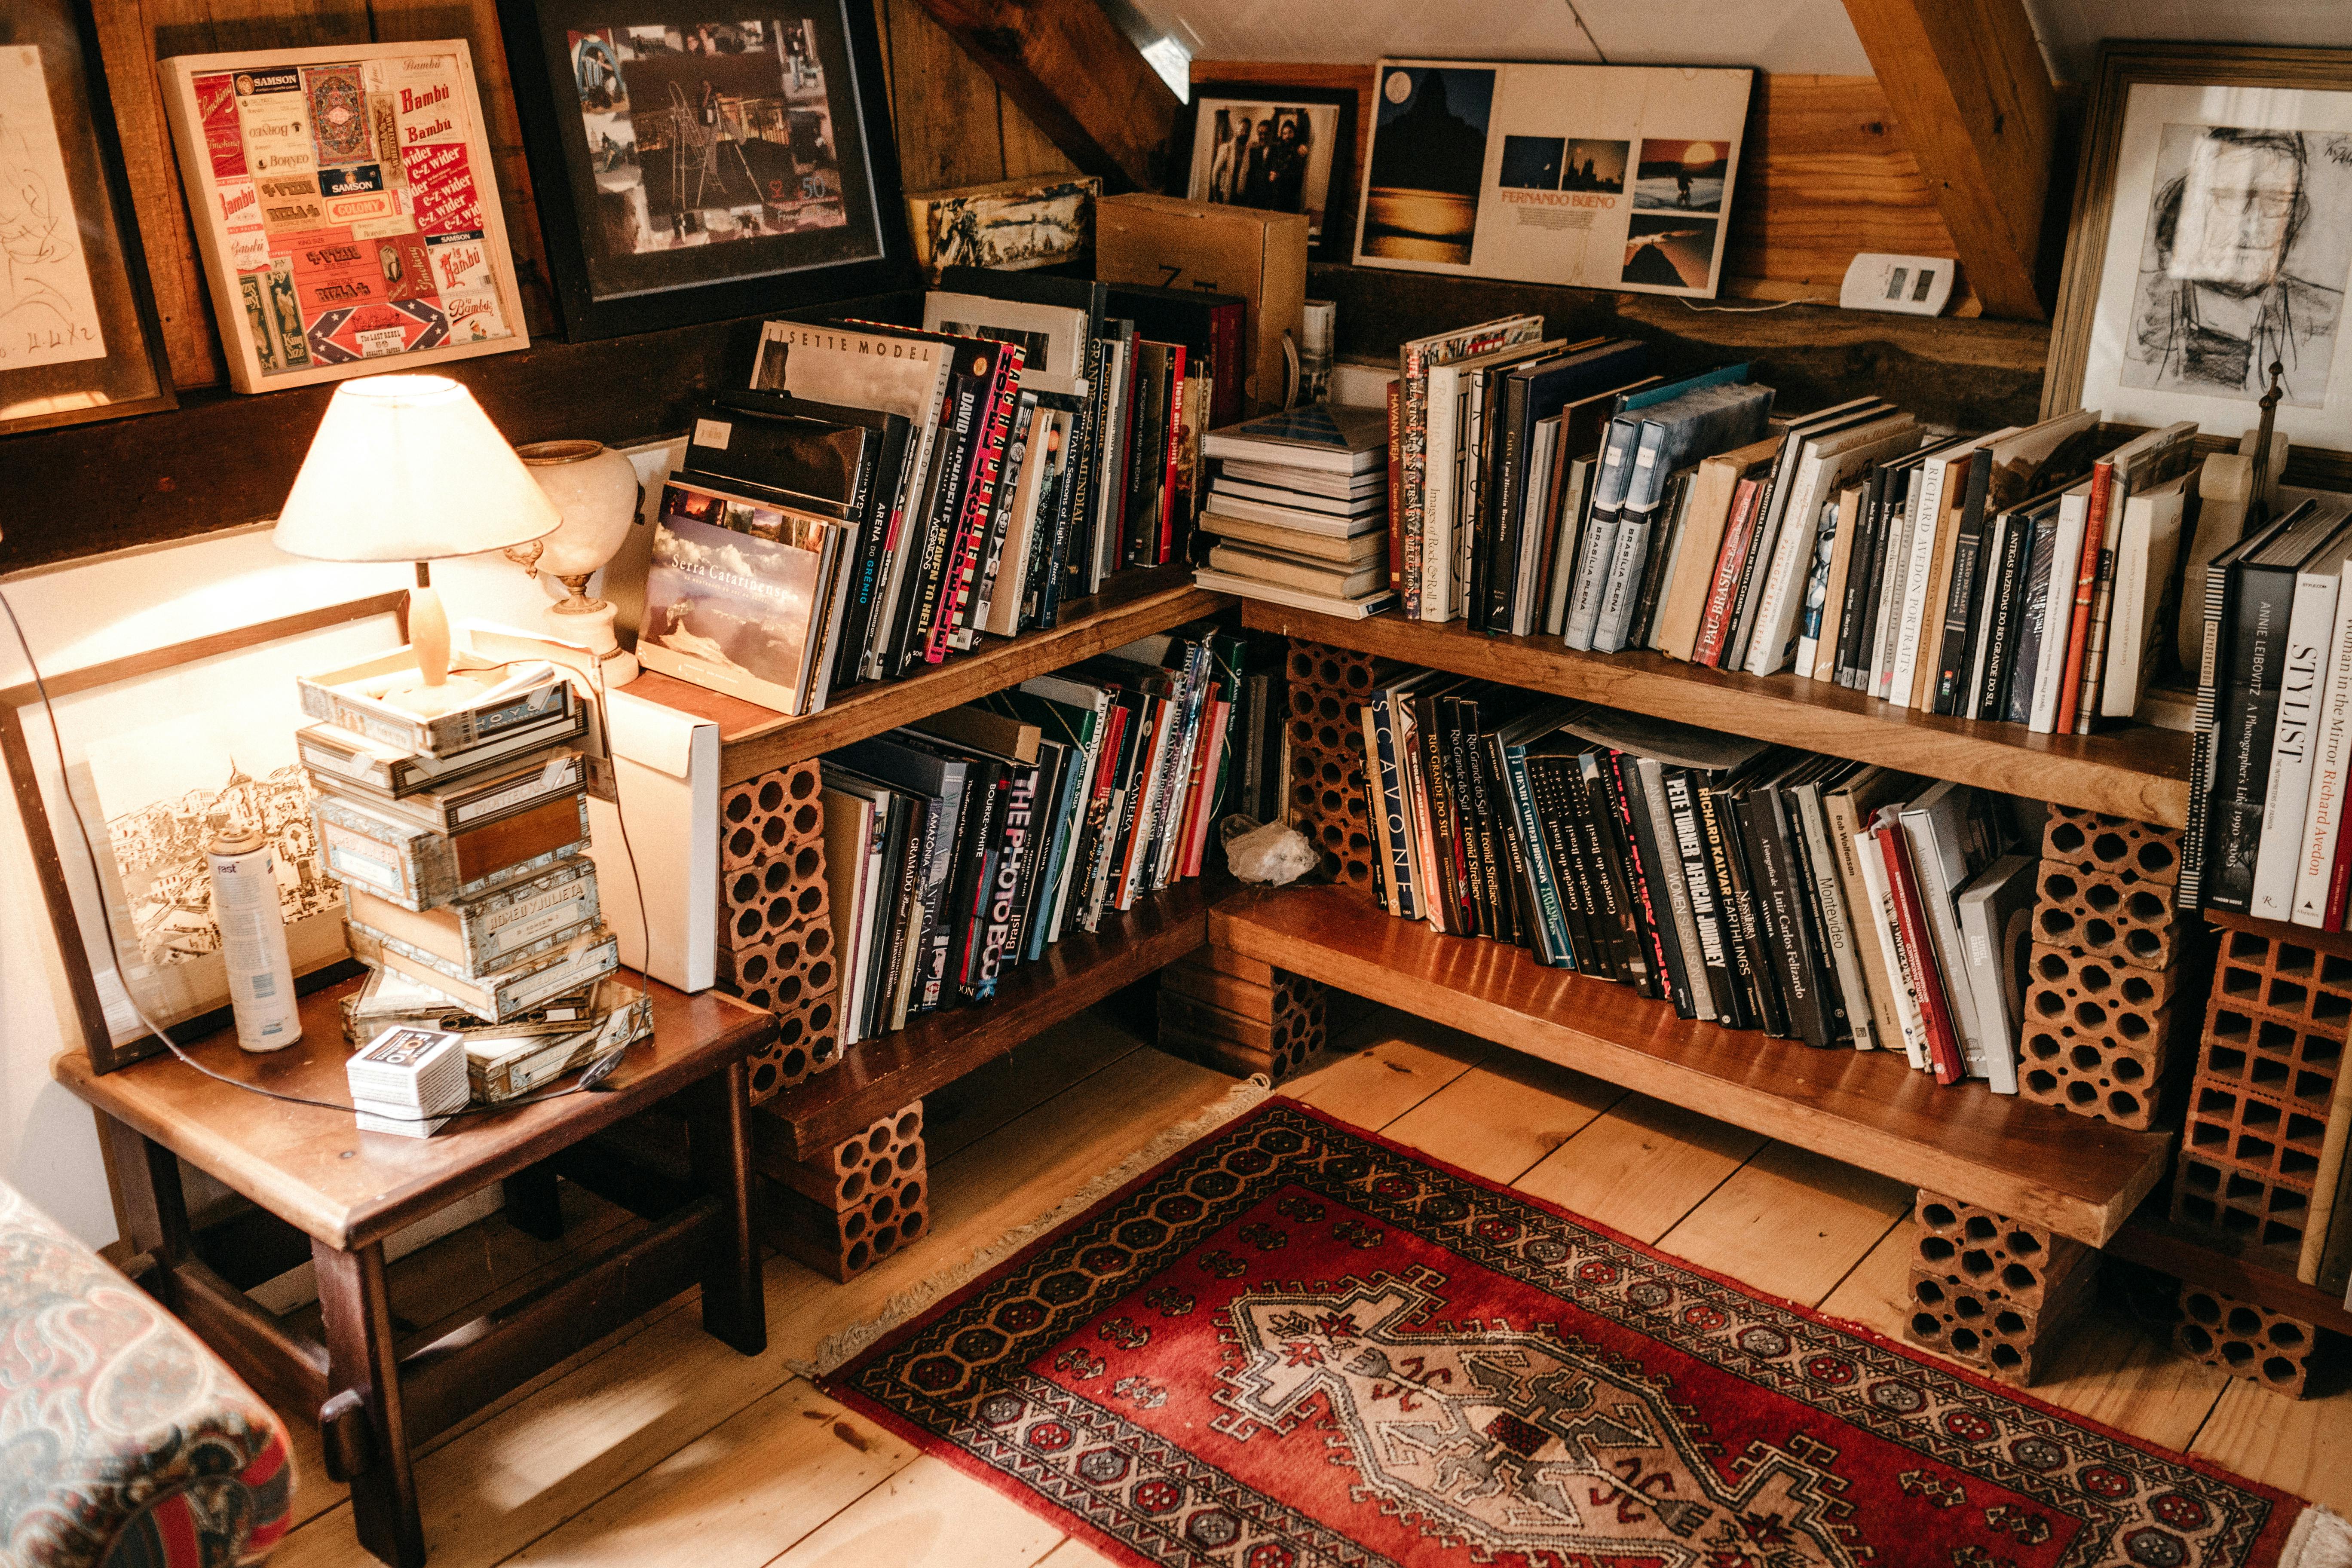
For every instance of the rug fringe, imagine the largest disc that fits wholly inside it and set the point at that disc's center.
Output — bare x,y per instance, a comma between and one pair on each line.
2320,1539
844,1344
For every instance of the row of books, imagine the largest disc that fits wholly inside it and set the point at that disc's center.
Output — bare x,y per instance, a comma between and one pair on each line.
2273,723
1752,886
964,845
884,495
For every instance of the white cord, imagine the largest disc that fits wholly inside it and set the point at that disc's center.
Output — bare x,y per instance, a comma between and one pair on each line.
1739,310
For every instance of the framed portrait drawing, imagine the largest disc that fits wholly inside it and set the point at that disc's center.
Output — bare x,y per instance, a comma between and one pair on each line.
78,338
693,164
1280,149
346,208
157,754
2211,239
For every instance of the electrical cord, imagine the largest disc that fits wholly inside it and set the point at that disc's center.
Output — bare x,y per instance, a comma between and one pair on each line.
592,1078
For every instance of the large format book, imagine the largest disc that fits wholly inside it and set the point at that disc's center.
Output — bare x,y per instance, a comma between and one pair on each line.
2294,728
1700,424
1322,439
2252,676
1414,361
2219,590
2146,550
1996,920
1772,505
1449,467
740,596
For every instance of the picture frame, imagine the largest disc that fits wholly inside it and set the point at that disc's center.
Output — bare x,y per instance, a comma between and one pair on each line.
1325,182
737,164
346,208
80,337
2243,153
155,748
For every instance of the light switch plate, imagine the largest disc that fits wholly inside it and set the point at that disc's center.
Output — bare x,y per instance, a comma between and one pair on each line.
1908,285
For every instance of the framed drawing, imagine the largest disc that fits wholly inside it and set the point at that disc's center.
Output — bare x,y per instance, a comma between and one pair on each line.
691,165
78,338
2211,239
1282,149
346,209
157,754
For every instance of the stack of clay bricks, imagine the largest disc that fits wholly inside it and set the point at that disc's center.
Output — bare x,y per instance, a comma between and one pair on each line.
2266,1072
1991,1291
775,938
2247,1340
1330,801
2110,958
1240,1016
847,1209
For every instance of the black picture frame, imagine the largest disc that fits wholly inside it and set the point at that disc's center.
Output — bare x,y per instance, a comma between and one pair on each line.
602,290
1337,242
130,377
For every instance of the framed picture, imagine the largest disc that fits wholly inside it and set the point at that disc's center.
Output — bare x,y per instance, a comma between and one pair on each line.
1281,149
2211,239
157,754
78,338
346,208
691,165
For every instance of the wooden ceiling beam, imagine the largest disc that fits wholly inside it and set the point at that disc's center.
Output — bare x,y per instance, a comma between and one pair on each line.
1082,80
1971,96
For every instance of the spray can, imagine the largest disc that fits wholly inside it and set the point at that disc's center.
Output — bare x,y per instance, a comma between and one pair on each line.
252,941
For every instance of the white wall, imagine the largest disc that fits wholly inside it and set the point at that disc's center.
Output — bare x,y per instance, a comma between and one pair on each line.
98,610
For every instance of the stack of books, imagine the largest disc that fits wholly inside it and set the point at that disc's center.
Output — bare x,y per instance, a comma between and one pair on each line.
461,840
1753,886
1297,511
962,846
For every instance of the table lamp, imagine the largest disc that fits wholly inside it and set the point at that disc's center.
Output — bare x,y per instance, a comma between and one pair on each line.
408,468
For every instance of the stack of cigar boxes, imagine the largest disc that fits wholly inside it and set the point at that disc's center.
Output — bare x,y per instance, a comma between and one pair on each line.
461,841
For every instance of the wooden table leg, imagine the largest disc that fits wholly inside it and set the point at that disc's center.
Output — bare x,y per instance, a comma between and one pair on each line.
532,1204
360,1359
719,1141
155,1208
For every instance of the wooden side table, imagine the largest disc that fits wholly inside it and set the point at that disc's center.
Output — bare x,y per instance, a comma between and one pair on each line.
349,1190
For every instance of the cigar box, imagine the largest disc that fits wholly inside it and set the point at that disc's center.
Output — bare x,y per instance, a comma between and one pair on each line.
497,930
388,999
342,761
501,997
500,1067
514,696
419,869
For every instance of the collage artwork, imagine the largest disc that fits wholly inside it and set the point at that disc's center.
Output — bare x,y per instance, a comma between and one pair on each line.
354,216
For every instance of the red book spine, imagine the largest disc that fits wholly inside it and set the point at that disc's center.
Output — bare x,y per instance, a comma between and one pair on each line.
971,529
1919,942
1167,549
2340,884
1717,622
1396,492
2087,591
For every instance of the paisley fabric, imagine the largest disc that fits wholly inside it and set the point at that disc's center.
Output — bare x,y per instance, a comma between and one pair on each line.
1295,1345
123,1441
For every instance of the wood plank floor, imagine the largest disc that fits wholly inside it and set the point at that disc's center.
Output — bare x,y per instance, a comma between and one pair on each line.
661,1446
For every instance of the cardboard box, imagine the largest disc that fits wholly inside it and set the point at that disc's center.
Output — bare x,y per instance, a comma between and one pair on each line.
1176,244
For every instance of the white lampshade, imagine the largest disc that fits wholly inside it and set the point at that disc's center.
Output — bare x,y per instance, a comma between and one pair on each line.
408,468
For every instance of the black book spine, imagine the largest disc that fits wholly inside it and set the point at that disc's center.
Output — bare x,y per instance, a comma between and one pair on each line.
1501,558
1580,832
1653,570
1713,957
1793,963
1496,837
1755,911
1608,848
2003,586
1857,573
1654,901
1861,649
908,929
1738,942
926,574
2252,670
1461,725
869,510
1527,904
897,845
981,782
1547,781
1000,923
1445,887
1961,603
1837,1026
1082,481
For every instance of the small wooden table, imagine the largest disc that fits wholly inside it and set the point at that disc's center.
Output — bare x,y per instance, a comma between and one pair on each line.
349,1190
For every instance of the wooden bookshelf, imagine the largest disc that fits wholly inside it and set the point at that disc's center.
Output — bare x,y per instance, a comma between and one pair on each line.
753,739
1865,1108
883,1074
2139,771
2153,1240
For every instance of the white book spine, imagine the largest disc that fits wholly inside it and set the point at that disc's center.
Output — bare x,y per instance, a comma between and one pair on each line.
2050,662
1599,551
1925,519
1882,916
1995,1057
2323,813
1563,555
1836,920
1437,502
1890,595
1624,581
1943,872
1784,584
2126,620
2302,676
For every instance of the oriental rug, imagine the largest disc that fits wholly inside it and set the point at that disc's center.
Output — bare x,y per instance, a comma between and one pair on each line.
1296,1345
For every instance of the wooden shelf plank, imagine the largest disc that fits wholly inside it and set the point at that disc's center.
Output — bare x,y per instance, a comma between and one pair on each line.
753,739
2152,1240
2139,770
882,1075
1867,1108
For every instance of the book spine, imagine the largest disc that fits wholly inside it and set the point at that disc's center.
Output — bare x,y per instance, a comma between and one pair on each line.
1389,886
1413,377
2293,738
2086,587
2003,608
1396,495
1611,626
1927,524
1793,958
1876,1014
1501,558
1901,541
1684,948
1550,909
927,573
1902,985
1919,951
1754,906
960,583
1737,1006
2094,646
1555,807
1699,882
1494,836
2257,636
2202,726
1960,618
1766,637
1714,620
1175,496
1847,995
1652,921
2324,812
1226,367
1859,623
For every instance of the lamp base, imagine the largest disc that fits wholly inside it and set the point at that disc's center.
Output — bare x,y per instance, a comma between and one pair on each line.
589,623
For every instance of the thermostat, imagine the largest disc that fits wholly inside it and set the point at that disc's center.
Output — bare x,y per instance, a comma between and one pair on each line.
1910,285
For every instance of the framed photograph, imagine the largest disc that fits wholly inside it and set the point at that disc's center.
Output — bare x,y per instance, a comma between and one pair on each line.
157,754
1590,176
692,164
346,208
2211,239
1279,149
78,338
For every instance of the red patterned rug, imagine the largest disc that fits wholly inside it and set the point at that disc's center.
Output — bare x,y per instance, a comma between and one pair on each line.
1296,1345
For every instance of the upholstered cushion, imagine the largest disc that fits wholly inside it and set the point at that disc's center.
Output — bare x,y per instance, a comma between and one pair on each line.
120,1432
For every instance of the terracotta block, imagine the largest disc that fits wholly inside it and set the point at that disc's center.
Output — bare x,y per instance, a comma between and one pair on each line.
1992,1254
2129,850
1345,669
777,972
2230,1125
1271,1029
2291,1062
2245,1340
2105,915
2097,1035
845,1243
2242,1212
806,1043
761,817
759,901
2285,977
2014,1342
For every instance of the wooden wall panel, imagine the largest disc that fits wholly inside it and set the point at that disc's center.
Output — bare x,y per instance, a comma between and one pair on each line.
955,125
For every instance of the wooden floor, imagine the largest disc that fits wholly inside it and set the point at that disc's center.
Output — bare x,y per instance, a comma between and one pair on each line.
660,1446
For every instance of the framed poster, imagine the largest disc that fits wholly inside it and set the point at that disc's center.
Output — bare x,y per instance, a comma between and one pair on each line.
1280,149
346,208
156,754
1592,177
691,164
2211,239
78,338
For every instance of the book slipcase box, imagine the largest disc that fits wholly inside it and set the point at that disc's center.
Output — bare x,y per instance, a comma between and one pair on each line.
1176,244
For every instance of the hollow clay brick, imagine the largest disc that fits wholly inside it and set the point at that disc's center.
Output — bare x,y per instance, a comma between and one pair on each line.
2249,1215
2231,1125
2285,977
2104,915
2131,850
2245,1340
1991,1252
2292,1061
760,816
2096,1036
